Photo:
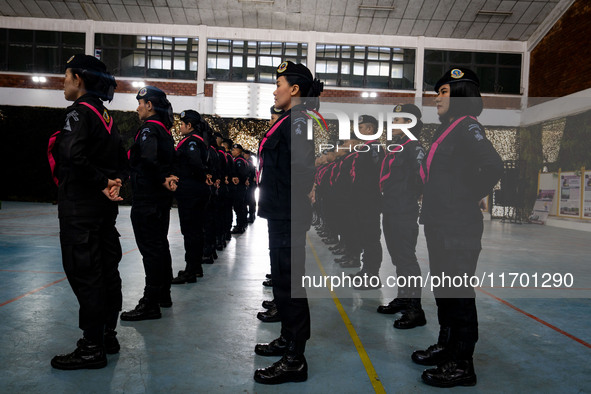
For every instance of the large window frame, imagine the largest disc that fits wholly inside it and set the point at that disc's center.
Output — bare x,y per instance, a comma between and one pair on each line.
38,51
499,72
250,61
359,66
148,56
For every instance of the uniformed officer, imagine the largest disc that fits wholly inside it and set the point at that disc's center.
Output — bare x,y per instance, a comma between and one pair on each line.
251,203
229,202
461,168
365,211
212,208
192,193
88,164
223,193
240,177
401,186
151,159
286,176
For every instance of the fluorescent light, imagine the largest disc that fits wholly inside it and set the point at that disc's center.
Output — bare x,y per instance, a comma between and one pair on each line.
494,13
38,79
376,7
364,94
138,84
373,94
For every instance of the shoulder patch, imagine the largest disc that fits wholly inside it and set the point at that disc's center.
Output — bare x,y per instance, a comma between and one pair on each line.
145,133
71,116
192,145
477,131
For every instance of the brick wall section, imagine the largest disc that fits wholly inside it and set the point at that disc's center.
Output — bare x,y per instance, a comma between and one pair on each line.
561,63
57,83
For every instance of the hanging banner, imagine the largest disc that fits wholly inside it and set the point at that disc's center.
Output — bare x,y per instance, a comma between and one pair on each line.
570,195
587,196
542,207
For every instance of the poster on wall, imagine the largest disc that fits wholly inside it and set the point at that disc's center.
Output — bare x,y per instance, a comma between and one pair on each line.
570,195
542,207
587,196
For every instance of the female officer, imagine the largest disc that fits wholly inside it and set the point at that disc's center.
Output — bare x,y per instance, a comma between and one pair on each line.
192,194
88,162
461,167
401,186
286,176
151,158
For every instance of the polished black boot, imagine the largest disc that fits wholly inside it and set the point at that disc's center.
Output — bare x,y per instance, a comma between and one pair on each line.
268,283
268,276
88,355
395,306
111,343
412,317
237,230
435,354
291,368
269,316
145,310
268,304
450,374
184,277
276,347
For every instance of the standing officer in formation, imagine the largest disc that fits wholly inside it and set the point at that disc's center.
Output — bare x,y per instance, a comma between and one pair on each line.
251,203
151,159
401,186
286,176
461,167
240,176
192,193
88,164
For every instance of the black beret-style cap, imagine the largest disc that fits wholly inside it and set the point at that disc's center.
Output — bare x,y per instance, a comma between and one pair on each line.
457,74
408,108
190,116
291,68
228,141
276,111
237,146
86,62
217,134
148,92
368,119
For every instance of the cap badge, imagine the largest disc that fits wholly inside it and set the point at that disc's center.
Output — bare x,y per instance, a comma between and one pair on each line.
398,108
71,58
456,73
183,114
282,67
143,92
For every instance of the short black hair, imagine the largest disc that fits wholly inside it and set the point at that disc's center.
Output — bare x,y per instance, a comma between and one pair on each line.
465,100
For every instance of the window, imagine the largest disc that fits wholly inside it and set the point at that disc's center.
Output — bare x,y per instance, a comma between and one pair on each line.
148,56
498,72
250,61
38,50
361,66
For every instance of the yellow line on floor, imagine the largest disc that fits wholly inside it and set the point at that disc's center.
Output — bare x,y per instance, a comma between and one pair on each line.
371,372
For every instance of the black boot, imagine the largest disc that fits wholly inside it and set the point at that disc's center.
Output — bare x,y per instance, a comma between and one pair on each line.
268,304
412,317
268,283
435,354
450,374
184,277
88,355
276,347
146,309
395,306
291,368
111,343
269,316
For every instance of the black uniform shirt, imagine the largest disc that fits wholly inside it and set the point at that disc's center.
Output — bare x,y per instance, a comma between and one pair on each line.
191,165
87,152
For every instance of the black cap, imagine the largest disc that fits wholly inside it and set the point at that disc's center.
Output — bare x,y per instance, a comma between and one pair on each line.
150,92
276,111
190,116
246,151
86,62
291,68
217,134
457,74
228,141
237,146
368,119
409,108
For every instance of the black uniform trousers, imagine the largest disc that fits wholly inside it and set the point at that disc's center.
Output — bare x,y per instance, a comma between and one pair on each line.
192,218
365,236
240,206
449,256
228,204
150,221
287,250
209,225
401,235
250,200
91,253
